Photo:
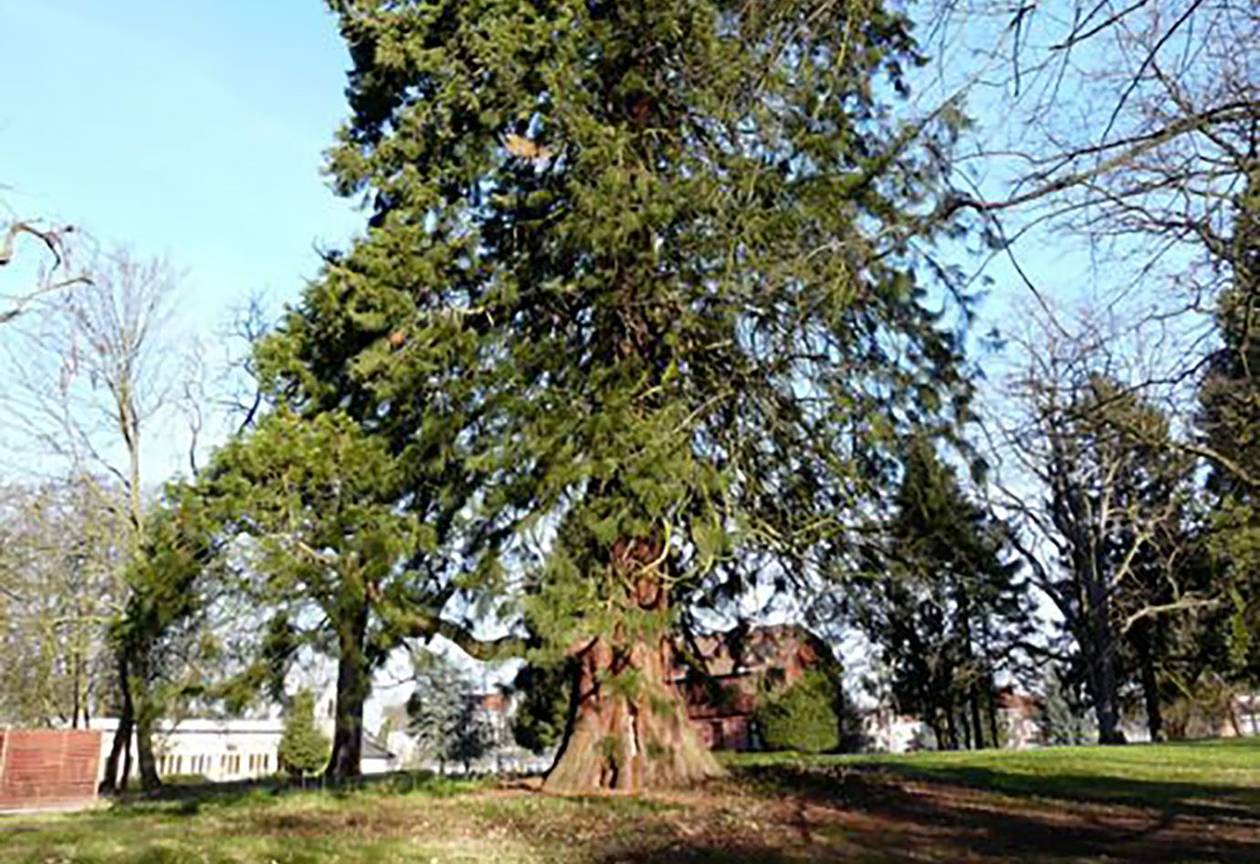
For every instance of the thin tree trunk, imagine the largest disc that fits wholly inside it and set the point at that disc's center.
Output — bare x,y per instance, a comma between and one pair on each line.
145,719
1143,639
126,766
951,727
345,763
78,691
938,734
121,747
991,691
976,725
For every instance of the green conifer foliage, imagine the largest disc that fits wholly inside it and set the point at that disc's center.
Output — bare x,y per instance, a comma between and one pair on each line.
639,280
1063,721
954,607
1230,425
802,717
303,748
326,555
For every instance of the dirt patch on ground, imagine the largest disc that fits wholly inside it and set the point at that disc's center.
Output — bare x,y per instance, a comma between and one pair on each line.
863,817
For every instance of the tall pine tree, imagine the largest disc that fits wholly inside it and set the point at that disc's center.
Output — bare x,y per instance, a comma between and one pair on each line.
638,284
955,611
1229,423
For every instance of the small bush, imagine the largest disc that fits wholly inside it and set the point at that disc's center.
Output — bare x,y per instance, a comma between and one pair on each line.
303,748
802,717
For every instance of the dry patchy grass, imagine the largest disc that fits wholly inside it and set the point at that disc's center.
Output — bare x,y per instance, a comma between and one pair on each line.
1186,803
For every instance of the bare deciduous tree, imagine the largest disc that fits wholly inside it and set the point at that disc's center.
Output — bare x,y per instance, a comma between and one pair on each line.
59,556
92,380
54,274
1087,472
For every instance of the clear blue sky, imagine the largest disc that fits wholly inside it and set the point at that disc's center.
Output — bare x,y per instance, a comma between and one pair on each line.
192,129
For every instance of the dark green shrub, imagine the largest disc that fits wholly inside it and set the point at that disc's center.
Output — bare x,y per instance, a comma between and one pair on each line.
801,717
544,692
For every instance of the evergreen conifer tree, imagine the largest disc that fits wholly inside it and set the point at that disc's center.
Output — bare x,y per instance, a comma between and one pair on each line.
327,555
303,748
438,707
1063,720
640,278
954,609
1229,422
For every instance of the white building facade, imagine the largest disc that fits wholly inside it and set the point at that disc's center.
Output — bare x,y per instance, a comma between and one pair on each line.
226,751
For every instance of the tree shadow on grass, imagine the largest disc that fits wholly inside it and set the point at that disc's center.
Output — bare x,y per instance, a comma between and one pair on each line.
1206,800
950,814
686,853
188,799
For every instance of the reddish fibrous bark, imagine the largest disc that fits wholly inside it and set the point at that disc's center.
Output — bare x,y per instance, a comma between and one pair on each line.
628,727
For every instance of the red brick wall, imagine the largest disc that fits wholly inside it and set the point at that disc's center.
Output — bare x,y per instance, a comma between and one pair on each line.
48,768
725,733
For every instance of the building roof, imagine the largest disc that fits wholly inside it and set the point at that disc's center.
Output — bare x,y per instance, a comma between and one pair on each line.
723,674
374,748
203,725
746,650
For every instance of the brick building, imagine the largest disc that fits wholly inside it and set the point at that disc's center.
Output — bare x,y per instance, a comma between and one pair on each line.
739,668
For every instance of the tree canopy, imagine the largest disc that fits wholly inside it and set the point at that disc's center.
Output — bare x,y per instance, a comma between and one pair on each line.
637,277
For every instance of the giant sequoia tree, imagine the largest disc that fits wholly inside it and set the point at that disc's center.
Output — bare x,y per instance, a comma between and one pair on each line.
637,309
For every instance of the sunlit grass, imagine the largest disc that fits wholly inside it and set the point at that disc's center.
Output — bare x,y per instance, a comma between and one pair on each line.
1152,773
738,821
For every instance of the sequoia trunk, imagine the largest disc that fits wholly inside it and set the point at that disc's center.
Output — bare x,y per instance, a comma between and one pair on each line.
629,729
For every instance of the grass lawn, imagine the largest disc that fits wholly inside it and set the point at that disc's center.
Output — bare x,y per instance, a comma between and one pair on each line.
1215,774
1190,802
